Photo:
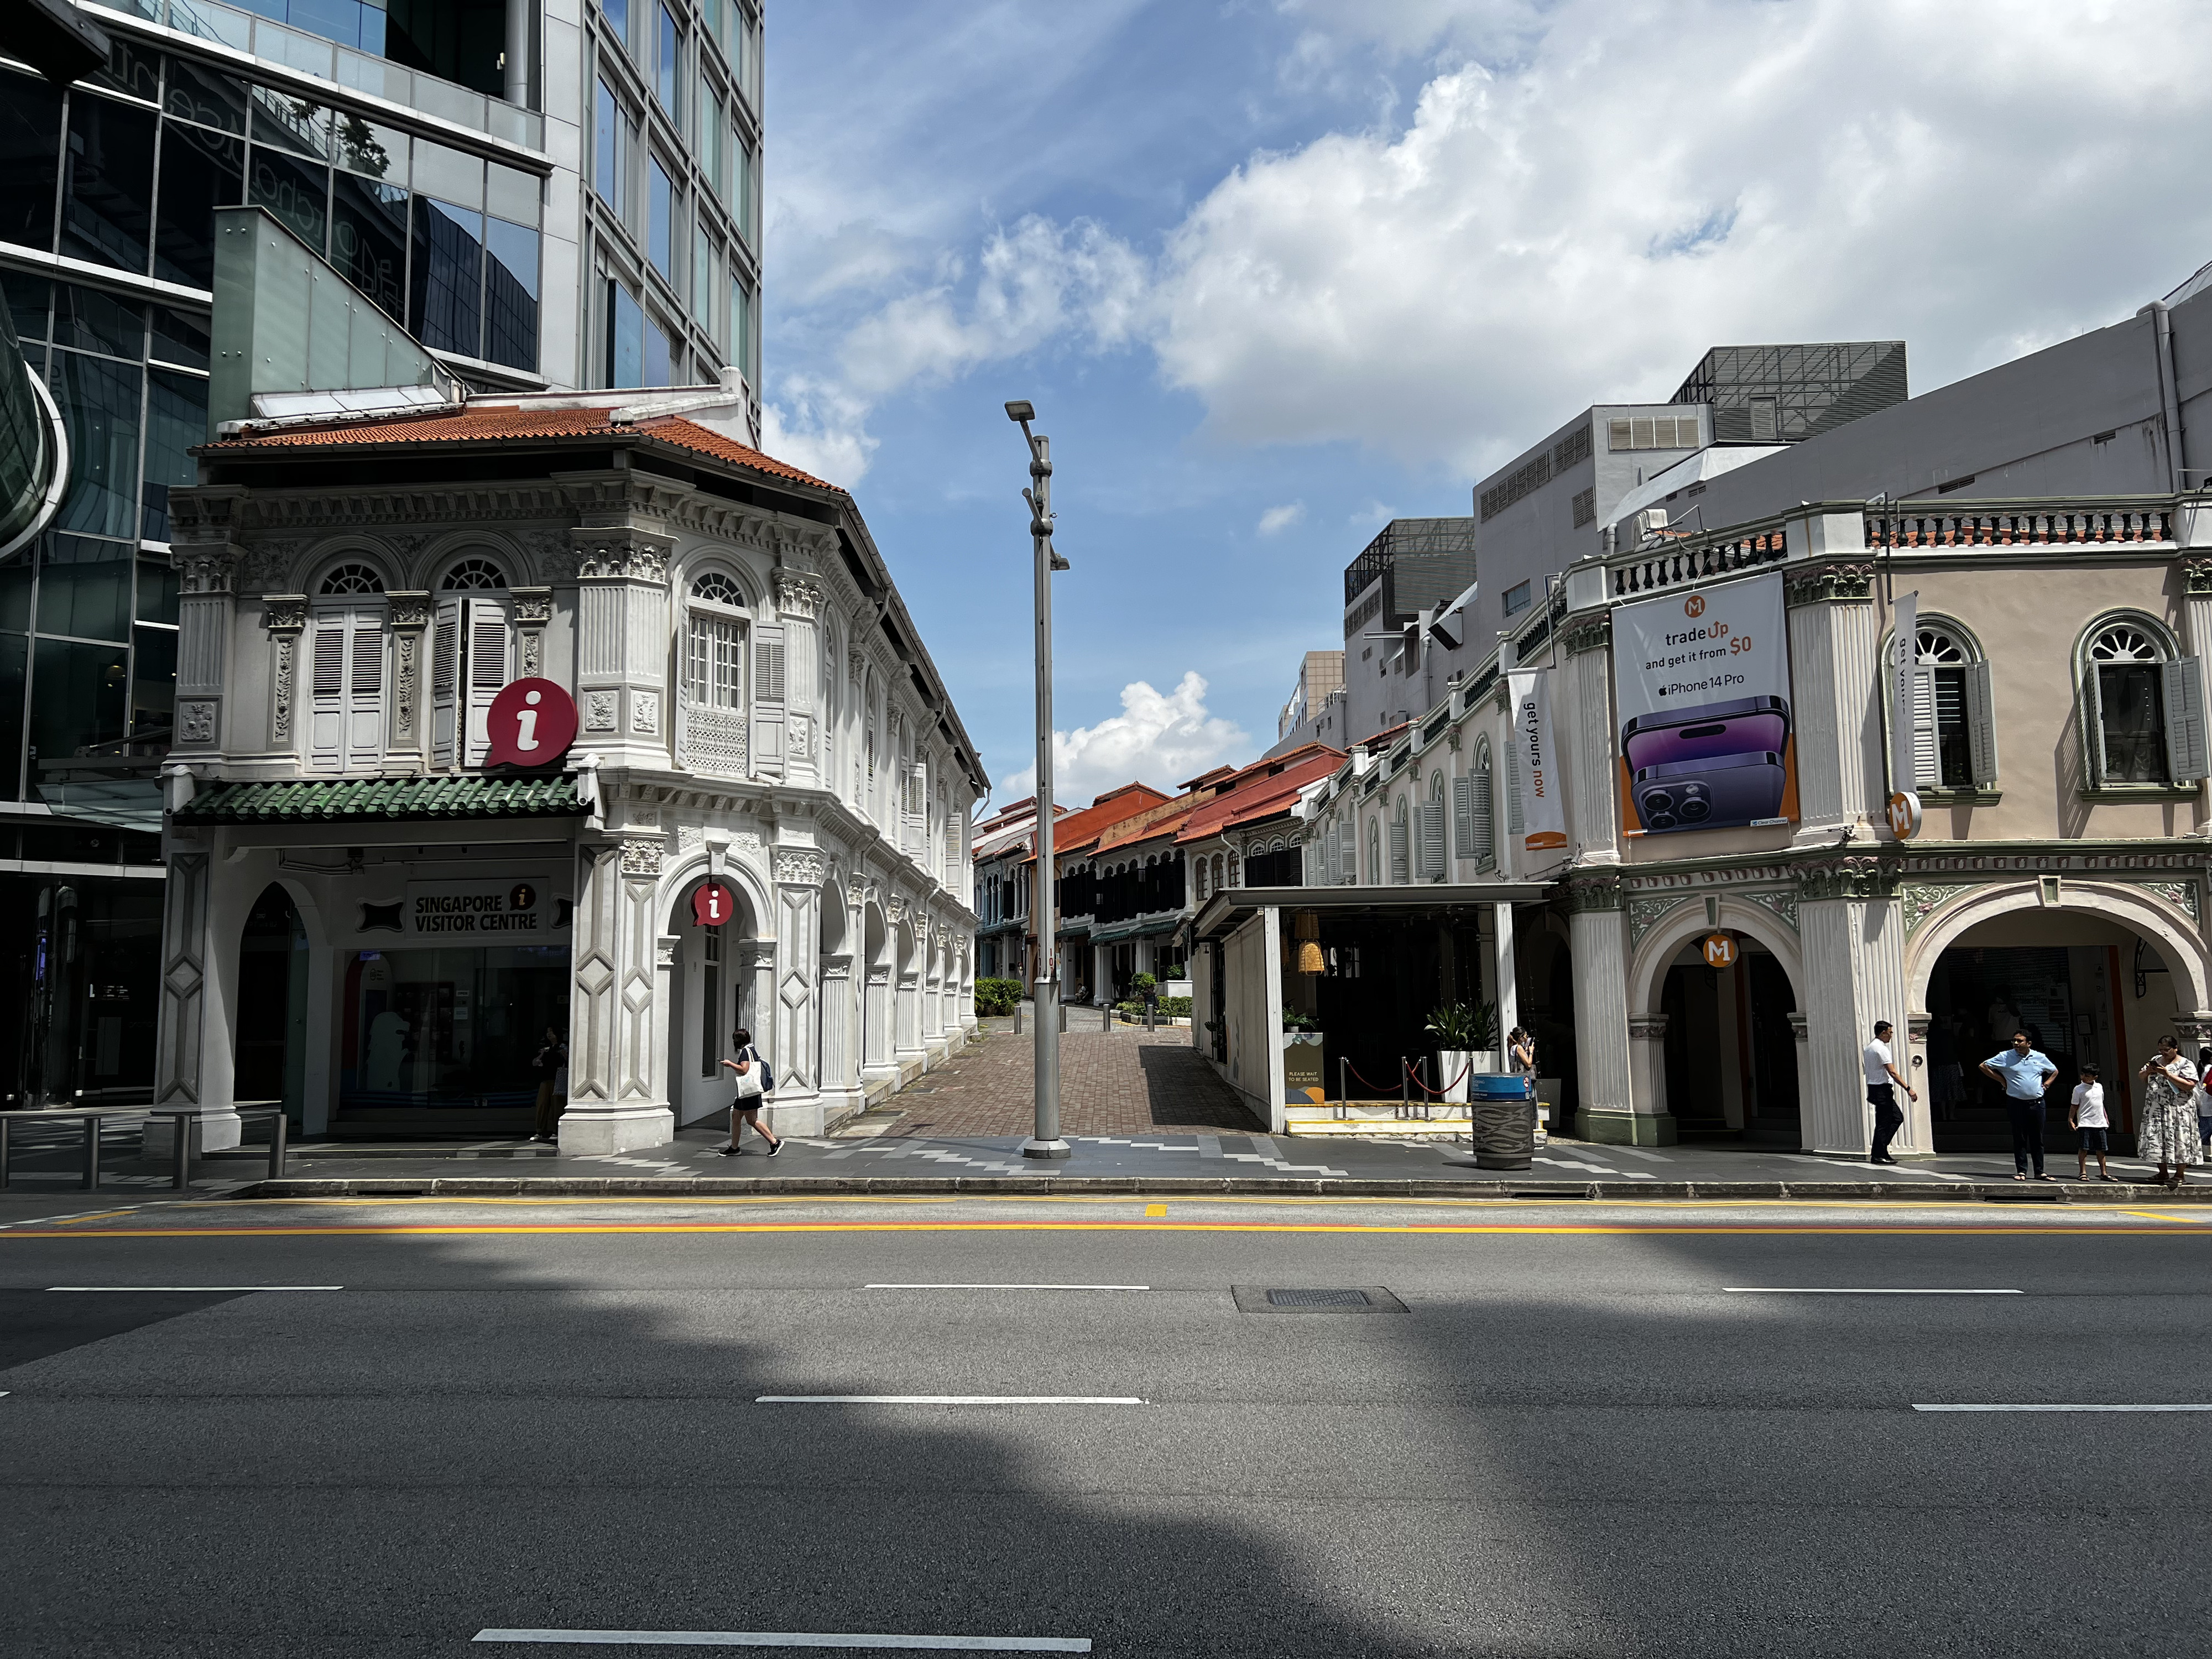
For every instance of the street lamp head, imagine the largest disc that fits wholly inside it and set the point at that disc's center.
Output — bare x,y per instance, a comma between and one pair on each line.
1021,409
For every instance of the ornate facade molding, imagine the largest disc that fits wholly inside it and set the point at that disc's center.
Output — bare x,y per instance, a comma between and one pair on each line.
533,607
1644,914
269,563
799,867
1920,900
2182,895
1854,878
206,568
196,721
625,553
1828,584
1781,901
797,594
284,612
2198,574
410,608
1647,1027
642,854
1578,894
1591,633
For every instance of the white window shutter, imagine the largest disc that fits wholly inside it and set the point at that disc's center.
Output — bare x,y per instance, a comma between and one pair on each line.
326,723
1399,851
1926,764
1463,816
1513,792
2093,726
1485,818
365,689
486,671
1348,852
1981,725
444,679
768,697
2181,682
1432,838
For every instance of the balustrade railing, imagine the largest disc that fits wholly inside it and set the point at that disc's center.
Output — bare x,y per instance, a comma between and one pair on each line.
2031,527
711,741
1671,565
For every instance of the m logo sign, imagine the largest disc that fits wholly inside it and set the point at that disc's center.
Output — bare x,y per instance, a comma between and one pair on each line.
1694,606
1720,950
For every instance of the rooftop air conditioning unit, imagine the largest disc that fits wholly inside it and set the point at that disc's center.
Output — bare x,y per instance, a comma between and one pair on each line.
1650,521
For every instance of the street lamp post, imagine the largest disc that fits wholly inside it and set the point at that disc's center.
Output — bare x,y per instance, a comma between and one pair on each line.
1047,1141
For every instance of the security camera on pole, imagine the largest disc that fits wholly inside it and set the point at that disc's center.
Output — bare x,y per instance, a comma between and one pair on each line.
1046,1142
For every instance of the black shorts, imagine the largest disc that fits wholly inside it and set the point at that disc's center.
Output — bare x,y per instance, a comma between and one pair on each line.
2092,1140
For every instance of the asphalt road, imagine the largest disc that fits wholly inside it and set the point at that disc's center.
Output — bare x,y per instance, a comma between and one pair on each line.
1554,1430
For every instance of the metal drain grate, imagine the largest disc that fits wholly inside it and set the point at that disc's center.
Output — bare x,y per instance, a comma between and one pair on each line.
1318,1299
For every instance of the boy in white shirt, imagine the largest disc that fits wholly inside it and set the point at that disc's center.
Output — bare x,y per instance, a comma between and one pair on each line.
2086,1117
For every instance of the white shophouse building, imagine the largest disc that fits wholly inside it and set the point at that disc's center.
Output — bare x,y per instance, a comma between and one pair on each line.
368,921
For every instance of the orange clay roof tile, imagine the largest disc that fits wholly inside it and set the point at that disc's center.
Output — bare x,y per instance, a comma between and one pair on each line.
489,423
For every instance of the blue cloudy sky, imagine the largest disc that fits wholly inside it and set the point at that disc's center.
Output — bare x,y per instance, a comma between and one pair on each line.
1274,271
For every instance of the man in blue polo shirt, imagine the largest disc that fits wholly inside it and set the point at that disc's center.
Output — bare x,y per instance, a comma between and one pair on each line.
2026,1072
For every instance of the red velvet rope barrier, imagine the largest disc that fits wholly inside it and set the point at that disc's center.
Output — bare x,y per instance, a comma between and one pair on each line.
1438,1094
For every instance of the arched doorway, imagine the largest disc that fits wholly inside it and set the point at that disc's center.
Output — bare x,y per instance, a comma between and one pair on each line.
271,1053
2098,977
1730,1046
710,993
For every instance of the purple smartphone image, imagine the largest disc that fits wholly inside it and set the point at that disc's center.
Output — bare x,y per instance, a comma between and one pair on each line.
1724,791
1747,725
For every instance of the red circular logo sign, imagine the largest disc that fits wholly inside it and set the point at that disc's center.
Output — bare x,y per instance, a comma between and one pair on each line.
713,904
532,723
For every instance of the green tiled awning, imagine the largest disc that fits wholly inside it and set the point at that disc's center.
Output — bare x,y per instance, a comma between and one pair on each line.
383,801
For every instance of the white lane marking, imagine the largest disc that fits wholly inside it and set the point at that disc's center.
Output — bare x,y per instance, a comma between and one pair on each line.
1007,1287
127,1288
948,1399
792,1638
1838,1290
2062,1408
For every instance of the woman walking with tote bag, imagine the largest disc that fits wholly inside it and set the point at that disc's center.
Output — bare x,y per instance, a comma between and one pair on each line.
755,1079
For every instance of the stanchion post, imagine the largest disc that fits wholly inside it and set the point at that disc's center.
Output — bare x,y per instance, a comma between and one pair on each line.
92,1152
181,1157
279,1126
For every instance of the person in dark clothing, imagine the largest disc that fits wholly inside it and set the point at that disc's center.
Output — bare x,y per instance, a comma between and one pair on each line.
550,1063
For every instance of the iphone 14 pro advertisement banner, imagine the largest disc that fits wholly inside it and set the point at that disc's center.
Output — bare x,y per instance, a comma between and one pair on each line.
1701,682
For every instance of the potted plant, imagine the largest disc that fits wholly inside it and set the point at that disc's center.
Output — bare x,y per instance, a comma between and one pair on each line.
1460,1028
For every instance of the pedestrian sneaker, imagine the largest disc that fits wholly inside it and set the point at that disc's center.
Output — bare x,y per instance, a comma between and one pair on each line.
729,1152
776,1148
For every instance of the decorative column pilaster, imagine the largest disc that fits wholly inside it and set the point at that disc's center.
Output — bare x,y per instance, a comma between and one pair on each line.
284,617
617,1039
1647,1063
798,600
799,874
410,622
533,610
1833,671
621,643
909,1053
1609,1110
2196,633
1593,779
837,1011
204,574
1853,931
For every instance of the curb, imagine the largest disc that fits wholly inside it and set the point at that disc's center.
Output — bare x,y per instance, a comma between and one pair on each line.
1314,1187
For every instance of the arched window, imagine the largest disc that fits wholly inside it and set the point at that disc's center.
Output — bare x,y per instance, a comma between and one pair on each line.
473,575
1476,823
345,715
1375,852
1401,845
714,655
715,588
2142,706
1953,734
350,579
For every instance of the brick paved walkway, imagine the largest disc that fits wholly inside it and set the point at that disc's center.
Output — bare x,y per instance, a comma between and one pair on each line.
1125,1082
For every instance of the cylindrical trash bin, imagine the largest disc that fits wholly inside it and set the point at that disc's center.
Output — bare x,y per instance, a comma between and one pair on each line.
1503,1109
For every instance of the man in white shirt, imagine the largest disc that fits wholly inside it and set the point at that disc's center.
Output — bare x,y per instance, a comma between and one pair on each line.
1883,1080
2086,1115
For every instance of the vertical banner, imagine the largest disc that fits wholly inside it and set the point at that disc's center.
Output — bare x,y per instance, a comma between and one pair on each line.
1543,816
1701,683
1903,659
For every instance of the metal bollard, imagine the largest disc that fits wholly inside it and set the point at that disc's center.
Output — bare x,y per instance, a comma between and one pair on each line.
1017,1019
180,1164
91,1151
1152,1016
279,1127
1063,1018
1343,1088
1404,1093
1106,1018
5,1118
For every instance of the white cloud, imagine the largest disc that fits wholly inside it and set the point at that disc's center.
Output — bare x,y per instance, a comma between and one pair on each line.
1550,230
1276,520
1159,738
819,429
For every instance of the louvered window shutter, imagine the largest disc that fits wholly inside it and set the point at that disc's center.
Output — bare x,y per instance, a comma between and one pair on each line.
1927,768
2093,726
365,691
1463,816
1513,793
486,670
1349,858
1485,821
444,679
326,723
1432,838
2181,685
1398,851
1981,725
768,697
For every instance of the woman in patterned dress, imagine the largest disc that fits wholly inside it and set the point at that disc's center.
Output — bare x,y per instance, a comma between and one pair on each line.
2167,1131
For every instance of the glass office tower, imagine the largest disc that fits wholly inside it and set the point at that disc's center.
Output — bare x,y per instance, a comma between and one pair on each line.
544,195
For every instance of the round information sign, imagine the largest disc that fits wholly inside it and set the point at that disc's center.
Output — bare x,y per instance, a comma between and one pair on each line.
1905,814
1720,950
713,904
